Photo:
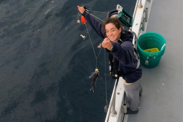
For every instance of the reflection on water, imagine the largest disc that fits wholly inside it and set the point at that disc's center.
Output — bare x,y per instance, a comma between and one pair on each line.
44,63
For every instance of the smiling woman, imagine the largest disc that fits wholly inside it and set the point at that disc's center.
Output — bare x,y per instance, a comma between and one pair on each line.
118,43
112,32
113,29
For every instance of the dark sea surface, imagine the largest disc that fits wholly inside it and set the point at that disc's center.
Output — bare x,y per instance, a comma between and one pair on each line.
45,64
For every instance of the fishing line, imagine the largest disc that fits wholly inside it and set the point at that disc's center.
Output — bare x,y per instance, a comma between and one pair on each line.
105,79
93,14
96,56
98,12
97,17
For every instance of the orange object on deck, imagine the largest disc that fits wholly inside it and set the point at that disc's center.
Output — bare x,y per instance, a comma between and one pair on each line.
83,20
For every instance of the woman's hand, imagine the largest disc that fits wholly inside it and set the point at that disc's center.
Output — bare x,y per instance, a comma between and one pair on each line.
107,44
81,9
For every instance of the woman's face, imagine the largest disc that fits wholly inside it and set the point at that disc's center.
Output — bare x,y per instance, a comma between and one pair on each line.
112,32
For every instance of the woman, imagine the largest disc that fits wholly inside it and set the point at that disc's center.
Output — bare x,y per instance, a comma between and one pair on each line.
119,43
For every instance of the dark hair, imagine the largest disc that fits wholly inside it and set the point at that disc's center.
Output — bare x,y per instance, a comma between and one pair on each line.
113,20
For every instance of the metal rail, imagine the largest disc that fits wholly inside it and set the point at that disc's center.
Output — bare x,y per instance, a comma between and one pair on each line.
141,16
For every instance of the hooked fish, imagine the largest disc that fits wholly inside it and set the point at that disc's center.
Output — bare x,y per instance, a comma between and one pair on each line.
94,75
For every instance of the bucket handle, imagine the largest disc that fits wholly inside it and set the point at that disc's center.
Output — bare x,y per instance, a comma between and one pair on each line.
163,46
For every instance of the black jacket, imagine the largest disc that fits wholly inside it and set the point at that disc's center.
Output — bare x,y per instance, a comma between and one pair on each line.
123,52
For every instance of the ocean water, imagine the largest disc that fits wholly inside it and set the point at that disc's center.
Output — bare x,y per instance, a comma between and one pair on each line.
45,64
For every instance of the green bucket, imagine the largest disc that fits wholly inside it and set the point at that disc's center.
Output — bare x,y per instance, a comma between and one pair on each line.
150,40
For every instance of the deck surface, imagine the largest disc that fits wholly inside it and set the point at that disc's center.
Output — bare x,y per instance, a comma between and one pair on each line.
162,98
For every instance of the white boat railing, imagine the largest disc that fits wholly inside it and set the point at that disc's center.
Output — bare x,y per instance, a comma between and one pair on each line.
139,3
112,103
116,108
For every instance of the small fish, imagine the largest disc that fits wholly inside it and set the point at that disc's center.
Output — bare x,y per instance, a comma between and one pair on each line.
94,75
78,21
83,36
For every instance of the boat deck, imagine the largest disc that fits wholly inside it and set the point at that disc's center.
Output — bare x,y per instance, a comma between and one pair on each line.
162,97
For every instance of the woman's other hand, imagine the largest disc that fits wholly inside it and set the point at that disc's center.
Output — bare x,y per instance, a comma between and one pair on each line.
81,9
